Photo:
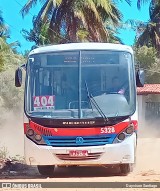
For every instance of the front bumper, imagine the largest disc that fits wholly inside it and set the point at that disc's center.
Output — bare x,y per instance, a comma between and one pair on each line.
123,152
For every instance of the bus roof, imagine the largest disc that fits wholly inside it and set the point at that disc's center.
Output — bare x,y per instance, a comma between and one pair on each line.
82,46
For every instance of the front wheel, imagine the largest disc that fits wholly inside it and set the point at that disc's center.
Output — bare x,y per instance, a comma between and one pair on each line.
46,170
126,168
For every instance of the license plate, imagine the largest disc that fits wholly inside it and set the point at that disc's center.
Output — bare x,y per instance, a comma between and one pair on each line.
78,153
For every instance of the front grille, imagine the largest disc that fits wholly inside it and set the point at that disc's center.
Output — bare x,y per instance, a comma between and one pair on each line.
91,156
71,141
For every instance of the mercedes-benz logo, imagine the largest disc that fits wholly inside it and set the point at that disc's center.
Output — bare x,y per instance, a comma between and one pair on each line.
79,140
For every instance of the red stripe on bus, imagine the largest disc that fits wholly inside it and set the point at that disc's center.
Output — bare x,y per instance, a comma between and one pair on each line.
85,131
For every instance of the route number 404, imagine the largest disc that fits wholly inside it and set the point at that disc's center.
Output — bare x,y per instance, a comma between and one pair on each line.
40,101
107,130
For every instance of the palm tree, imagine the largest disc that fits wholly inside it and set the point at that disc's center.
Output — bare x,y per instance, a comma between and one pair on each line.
141,2
39,34
1,24
67,17
3,44
6,50
151,33
3,27
73,15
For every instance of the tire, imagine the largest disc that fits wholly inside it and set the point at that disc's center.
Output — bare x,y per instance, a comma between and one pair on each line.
125,169
46,170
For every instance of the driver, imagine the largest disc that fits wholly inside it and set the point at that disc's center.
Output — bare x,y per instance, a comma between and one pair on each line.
116,86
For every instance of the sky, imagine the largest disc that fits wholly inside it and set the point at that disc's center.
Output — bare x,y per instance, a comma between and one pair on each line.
11,14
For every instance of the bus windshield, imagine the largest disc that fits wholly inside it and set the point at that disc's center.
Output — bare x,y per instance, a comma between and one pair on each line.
65,84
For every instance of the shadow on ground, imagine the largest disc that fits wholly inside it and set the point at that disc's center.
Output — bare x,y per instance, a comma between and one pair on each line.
26,172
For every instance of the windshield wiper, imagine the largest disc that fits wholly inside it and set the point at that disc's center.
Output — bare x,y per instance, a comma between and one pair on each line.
94,103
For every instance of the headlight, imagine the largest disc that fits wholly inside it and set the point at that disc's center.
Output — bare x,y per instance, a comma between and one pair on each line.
124,134
30,132
38,137
121,136
130,129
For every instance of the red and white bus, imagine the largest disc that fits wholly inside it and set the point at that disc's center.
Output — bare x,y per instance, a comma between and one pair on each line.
71,114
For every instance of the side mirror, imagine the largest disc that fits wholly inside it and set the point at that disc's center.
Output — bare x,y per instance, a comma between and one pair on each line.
18,77
140,78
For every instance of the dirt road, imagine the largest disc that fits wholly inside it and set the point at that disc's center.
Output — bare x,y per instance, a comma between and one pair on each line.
147,170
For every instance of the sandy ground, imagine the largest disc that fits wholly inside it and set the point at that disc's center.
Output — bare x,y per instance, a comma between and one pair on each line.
147,168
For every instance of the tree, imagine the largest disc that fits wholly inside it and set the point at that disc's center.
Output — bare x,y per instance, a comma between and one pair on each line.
74,14
67,17
148,43
146,58
7,51
4,48
10,97
150,35
39,33
141,2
